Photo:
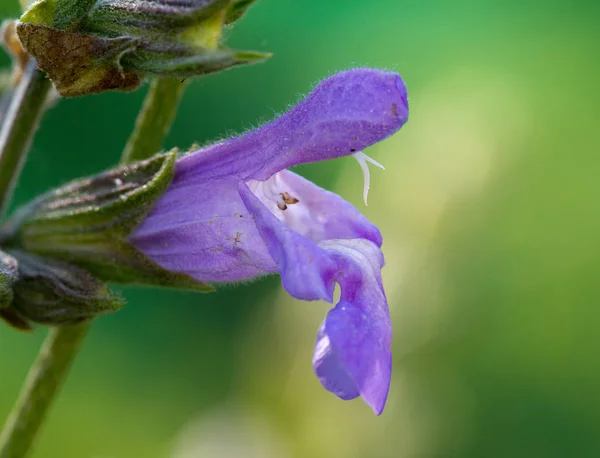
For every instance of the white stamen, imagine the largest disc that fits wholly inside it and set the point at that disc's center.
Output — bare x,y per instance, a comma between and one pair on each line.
362,159
271,187
271,190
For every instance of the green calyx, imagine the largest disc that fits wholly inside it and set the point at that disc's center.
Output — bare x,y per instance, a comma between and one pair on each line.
87,223
92,65
56,293
50,292
93,46
237,9
8,276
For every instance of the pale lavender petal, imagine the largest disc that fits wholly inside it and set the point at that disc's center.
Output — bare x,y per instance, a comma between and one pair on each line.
330,368
319,214
205,231
353,353
358,331
306,271
345,113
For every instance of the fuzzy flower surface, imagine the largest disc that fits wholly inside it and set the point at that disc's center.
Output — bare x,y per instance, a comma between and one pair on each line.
235,212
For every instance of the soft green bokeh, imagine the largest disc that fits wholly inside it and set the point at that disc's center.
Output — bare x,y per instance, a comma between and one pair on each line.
490,211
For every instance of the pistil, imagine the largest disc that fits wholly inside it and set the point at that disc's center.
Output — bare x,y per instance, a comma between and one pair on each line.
363,160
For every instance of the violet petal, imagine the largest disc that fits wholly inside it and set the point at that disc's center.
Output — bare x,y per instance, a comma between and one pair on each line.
205,231
343,114
353,353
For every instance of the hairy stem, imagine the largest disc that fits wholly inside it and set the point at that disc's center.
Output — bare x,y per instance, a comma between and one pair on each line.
18,127
154,120
39,390
62,344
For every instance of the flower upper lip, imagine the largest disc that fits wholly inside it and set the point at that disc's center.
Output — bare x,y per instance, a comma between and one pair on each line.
344,114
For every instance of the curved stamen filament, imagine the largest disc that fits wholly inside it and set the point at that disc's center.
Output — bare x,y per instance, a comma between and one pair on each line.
363,160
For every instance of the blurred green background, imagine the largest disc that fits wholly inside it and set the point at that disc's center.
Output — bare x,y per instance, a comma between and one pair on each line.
490,213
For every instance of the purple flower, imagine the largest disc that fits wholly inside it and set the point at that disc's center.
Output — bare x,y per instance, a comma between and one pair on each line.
233,212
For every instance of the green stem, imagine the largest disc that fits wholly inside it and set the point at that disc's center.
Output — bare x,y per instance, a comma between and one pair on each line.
19,124
40,389
154,120
62,344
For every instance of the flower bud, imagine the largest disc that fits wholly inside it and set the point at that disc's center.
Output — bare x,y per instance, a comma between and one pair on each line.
55,293
93,46
8,276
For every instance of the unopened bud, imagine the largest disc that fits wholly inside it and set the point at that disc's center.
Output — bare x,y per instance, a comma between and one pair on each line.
8,277
93,46
52,292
